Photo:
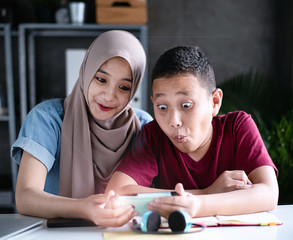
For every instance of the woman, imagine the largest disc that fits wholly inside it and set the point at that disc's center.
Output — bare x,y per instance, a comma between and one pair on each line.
90,140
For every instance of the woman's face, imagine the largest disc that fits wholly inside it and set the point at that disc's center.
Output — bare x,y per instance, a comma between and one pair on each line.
110,88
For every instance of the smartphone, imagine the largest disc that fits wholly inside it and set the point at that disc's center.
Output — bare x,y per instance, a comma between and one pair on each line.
141,200
68,222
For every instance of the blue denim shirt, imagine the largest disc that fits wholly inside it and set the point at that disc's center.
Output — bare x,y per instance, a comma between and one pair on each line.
40,135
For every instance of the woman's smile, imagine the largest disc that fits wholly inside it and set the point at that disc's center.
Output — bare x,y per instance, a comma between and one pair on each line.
104,108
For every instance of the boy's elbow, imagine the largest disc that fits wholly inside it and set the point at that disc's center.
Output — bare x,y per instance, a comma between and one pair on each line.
273,198
118,181
272,205
112,184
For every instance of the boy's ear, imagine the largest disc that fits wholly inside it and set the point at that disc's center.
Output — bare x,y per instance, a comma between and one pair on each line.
217,96
152,99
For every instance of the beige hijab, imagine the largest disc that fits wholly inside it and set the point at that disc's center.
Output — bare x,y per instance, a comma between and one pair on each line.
92,149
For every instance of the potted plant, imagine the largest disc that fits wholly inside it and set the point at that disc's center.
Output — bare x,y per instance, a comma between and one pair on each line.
268,105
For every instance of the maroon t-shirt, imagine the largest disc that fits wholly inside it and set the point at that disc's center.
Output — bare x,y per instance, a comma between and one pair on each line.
236,145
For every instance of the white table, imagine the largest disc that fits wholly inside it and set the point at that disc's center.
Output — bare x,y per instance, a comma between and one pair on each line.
283,232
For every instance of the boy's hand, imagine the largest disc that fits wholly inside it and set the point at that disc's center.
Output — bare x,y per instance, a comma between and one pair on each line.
183,202
229,181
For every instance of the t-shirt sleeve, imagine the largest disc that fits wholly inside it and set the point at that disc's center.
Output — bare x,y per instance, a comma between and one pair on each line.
140,161
40,134
250,149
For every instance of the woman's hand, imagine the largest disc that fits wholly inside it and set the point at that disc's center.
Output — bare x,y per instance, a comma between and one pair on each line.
183,202
229,181
105,210
102,209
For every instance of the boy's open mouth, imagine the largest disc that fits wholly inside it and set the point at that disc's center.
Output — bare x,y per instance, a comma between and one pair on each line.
180,138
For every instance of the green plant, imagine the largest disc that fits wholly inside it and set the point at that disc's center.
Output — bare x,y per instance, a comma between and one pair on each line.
257,95
280,148
268,104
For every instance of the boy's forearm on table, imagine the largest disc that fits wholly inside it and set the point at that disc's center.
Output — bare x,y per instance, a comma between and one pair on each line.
255,199
196,191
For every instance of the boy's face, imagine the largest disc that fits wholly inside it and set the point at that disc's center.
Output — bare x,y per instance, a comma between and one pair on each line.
184,111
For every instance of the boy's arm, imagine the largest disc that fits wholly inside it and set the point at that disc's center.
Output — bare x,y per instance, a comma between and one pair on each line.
122,183
262,196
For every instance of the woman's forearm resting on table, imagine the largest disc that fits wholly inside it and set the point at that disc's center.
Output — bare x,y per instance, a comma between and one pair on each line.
102,209
37,203
30,197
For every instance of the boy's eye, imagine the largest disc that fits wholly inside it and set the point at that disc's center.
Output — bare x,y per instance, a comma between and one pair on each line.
162,106
186,105
102,80
124,88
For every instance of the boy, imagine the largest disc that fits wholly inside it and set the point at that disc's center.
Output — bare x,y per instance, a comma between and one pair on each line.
221,160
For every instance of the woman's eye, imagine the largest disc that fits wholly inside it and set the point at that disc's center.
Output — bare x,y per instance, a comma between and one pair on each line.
124,88
162,106
102,80
186,105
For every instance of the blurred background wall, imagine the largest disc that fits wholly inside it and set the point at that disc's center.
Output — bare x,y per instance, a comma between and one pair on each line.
237,36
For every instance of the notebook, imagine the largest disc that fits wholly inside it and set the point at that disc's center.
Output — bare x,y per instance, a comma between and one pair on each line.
252,219
13,224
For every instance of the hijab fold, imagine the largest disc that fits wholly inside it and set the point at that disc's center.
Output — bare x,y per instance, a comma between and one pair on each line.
91,149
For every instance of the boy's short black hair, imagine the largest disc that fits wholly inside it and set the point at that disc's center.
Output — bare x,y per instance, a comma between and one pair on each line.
182,60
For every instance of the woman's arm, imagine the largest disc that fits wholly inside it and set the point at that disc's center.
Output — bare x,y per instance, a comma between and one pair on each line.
32,200
30,197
